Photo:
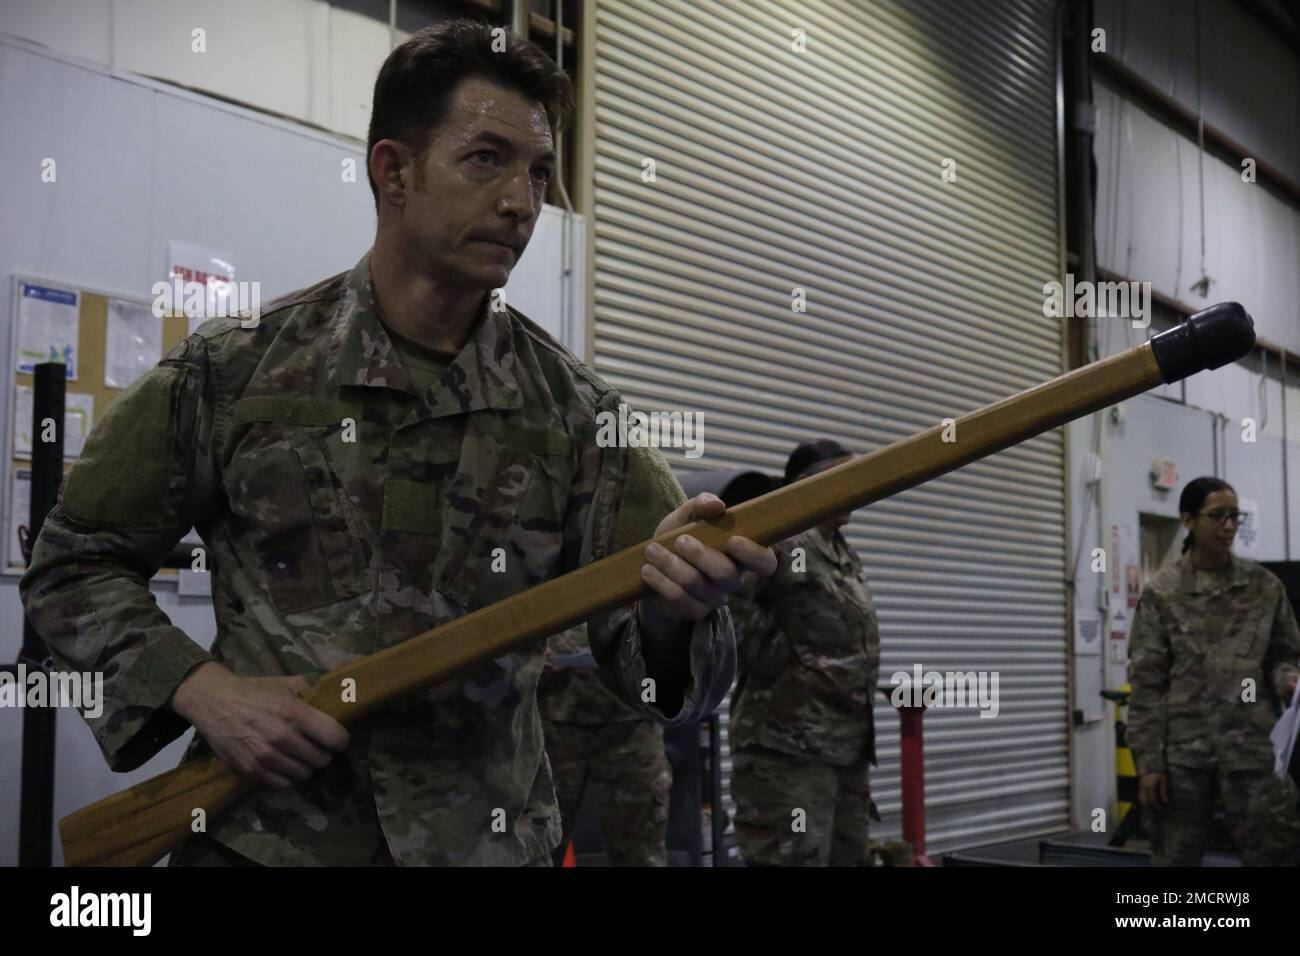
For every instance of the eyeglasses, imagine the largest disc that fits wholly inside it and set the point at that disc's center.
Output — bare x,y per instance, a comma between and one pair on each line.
1223,517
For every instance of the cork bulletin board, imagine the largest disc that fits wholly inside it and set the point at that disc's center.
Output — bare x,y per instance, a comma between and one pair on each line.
92,387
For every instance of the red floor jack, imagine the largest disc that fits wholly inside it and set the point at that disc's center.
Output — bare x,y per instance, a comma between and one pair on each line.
913,762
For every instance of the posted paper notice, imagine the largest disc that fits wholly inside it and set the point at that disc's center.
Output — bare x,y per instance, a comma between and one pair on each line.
134,344
78,416
48,326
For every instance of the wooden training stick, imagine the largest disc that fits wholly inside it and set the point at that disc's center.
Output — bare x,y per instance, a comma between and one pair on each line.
138,826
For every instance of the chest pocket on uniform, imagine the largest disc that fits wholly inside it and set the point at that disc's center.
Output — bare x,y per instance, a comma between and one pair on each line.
824,625
502,514
858,596
286,486
854,592
1187,650
1252,628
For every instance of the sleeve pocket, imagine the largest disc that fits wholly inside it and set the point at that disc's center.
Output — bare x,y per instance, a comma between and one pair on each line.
133,470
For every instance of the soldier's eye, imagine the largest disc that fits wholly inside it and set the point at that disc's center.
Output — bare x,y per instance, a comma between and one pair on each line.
1236,517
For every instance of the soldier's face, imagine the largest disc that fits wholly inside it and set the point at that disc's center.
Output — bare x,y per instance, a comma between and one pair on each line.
1215,537
479,186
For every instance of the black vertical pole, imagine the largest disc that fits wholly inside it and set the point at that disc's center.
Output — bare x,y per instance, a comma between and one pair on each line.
718,818
36,829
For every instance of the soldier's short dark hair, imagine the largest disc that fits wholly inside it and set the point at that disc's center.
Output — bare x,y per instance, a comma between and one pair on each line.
809,453
414,88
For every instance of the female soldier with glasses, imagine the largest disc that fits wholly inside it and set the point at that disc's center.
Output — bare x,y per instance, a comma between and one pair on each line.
1214,651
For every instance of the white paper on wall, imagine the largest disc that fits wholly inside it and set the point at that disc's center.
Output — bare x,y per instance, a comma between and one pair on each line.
213,269
1087,633
48,325
134,342
1247,542
78,417
19,510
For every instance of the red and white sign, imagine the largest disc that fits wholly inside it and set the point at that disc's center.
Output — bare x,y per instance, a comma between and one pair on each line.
1164,473
212,268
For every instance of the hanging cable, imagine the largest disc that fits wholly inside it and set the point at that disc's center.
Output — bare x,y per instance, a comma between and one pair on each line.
1201,285
559,144
566,239
1263,394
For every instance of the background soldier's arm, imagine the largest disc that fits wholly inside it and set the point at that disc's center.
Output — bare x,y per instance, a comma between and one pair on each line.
1148,673
143,480
762,648
1282,659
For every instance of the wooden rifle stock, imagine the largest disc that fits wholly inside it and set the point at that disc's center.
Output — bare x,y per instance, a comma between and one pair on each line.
138,826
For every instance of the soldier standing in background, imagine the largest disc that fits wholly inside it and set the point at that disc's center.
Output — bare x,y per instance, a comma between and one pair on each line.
596,741
802,731
1214,645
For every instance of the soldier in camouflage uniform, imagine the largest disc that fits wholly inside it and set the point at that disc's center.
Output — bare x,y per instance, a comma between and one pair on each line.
1213,647
802,731
378,455
597,743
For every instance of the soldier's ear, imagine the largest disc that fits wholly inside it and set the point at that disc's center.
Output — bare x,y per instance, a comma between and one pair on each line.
387,159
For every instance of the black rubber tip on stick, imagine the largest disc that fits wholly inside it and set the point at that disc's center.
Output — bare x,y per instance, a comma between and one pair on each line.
1211,338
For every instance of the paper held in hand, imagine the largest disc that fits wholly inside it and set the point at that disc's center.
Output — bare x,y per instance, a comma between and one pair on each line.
1283,735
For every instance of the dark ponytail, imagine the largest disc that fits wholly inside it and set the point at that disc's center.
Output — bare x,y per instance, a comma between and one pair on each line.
1194,495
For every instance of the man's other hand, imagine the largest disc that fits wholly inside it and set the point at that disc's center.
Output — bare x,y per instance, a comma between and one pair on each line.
259,726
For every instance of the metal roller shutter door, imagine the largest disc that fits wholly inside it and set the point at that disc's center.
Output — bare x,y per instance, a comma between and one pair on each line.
821,170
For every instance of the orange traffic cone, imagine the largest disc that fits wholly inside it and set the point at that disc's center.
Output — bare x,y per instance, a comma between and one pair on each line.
569,858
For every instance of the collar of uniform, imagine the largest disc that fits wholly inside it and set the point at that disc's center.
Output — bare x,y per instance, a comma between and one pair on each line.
482,375
827,548
1189,576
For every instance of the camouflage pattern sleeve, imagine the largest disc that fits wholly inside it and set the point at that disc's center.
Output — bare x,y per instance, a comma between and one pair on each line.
581,692
1148,673
762,647
620,495
1282,658
143,480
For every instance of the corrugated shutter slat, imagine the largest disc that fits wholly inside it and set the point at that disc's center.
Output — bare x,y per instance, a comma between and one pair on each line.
776,170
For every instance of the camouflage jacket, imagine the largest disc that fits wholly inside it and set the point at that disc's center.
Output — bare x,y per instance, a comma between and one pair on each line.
342,512
808,654
578,694
1209,654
